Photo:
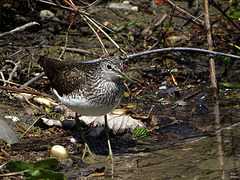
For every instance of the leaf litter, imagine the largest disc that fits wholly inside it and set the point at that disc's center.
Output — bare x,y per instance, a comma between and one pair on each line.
176,89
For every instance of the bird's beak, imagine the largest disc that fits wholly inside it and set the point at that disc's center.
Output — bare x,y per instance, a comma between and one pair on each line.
126,77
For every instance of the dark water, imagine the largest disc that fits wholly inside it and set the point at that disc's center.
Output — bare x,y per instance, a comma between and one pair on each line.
207,157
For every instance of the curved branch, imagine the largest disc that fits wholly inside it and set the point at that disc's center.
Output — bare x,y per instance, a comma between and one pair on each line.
181,49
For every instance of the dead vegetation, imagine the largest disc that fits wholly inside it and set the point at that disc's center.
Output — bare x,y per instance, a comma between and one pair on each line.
176,84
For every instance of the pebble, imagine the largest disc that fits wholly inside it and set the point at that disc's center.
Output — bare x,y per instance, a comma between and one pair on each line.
46,14
125,5
59,152
6,133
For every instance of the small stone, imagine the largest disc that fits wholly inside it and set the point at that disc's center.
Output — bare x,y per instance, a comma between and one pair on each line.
59,152
134,8
125,5
46,14
6,133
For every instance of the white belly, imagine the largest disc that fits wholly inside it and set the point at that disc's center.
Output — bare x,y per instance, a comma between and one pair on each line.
83,106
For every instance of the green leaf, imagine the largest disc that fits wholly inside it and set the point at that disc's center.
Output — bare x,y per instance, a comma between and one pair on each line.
141,147
226,84
48,164
33,173
39,170
47,109
237,95
161,99
151,95
174,70
234,11
15,166
141,133
47,174
129,24
230,85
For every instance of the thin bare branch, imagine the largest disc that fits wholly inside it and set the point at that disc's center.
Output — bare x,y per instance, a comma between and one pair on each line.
16,66
63,7
21,90
66,40
110,39
32,80
99,39
210,47
181,49
112,31
192,18
92,4
20,28
229,19
87,17
165,31
75,50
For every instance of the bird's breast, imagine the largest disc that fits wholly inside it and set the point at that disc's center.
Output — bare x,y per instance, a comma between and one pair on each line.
100,100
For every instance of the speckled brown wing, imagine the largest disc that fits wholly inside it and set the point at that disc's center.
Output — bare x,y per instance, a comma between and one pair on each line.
64,77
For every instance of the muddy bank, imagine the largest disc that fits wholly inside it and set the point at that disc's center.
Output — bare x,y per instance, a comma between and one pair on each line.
175,104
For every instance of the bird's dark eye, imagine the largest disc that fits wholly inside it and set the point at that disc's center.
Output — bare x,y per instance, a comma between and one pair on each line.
109,66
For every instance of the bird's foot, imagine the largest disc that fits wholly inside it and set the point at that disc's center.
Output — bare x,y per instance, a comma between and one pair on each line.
110,157
87,149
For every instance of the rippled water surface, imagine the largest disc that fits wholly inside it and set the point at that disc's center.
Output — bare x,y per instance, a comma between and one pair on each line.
211,157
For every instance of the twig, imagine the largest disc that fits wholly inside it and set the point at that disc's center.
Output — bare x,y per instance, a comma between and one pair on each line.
210,47
110,39
80,51
194,14
99,39
160,21
112,31
180,49
28,129
16,66
192,18
66,42
145,35
15,173
216,132
61,6
20,28
21,90
86,16
32,80
229,19
70,3
10,82
165,31
27,91
229,5
74,50
92,4
14,54
2,76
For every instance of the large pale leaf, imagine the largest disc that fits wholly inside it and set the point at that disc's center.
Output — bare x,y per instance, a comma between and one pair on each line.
118,124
